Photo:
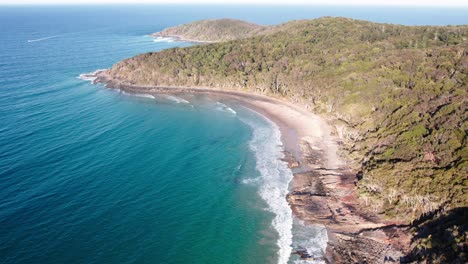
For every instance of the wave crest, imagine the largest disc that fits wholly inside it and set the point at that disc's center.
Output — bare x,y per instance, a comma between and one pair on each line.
225,108
177,100
91,76
163,39
275,177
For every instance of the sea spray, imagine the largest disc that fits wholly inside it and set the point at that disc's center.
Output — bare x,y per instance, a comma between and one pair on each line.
275,177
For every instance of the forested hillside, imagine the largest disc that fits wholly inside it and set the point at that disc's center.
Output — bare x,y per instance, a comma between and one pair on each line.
397,96
212,30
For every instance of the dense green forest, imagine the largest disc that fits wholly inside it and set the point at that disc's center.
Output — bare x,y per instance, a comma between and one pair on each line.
397,96
213,30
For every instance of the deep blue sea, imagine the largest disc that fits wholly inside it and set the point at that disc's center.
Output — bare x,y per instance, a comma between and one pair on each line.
93,175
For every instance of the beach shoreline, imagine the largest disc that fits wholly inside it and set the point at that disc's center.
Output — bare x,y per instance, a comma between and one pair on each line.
322,189
291,120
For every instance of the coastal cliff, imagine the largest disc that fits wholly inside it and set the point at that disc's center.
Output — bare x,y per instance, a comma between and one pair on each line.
396,98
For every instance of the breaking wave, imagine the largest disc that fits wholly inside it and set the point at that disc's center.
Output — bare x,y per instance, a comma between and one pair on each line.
274,181
177,100
91,76
163,39
145,96
311,240
225,108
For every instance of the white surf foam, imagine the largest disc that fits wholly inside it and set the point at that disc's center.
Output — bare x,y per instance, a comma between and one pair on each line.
312,239
225,108
163,39
89,76
229,109
145,96
251,181
275,177
177,100
141,95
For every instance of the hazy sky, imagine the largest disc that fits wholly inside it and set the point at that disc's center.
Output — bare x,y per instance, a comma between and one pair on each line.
311,2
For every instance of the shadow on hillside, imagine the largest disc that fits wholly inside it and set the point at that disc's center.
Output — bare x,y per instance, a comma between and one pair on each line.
441,239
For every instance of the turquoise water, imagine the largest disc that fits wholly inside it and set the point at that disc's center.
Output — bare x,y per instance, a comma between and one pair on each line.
92,175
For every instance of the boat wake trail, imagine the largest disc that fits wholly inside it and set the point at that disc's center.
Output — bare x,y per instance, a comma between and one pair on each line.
70,33
42,39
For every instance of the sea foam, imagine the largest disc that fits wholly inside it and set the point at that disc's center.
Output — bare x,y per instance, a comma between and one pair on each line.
141,95
145,96
275,177
225,108
177,100
163,39
89,76
312,239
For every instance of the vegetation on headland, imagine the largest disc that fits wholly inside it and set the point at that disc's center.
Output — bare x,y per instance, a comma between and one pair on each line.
397,96
212,30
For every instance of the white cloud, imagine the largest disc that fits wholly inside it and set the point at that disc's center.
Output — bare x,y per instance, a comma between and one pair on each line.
308,2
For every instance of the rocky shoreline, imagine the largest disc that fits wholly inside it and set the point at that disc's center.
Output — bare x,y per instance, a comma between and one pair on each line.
323,188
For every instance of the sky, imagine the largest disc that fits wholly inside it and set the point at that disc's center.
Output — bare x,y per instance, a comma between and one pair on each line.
455,3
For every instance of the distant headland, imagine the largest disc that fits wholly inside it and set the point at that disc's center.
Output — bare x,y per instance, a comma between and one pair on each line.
209,31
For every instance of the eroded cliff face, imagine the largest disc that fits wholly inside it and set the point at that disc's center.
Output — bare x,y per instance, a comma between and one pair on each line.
396,96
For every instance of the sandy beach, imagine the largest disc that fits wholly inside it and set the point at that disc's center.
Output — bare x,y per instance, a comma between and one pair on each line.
322,190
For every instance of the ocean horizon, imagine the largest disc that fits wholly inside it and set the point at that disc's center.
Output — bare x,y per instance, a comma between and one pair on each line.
96,175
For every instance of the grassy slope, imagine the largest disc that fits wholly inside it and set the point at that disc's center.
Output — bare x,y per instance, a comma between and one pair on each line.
397,96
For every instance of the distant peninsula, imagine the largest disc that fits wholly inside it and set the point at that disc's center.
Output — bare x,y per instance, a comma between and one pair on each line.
208,31
388,175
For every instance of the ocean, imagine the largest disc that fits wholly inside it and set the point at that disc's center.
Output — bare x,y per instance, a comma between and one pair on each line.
94,175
